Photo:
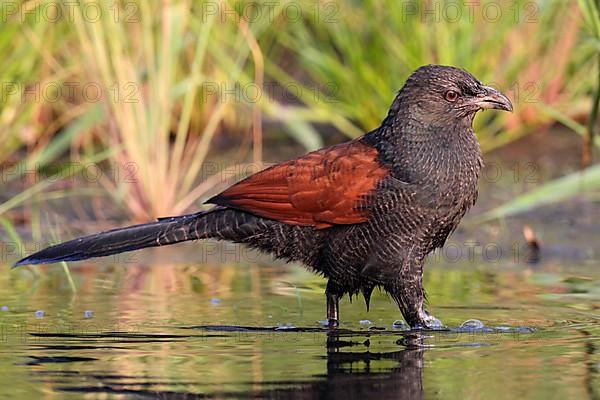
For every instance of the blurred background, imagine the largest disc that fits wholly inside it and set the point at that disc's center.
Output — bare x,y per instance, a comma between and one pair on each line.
123,105
124,111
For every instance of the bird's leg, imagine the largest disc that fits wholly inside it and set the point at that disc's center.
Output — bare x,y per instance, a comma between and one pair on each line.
408,292
333,306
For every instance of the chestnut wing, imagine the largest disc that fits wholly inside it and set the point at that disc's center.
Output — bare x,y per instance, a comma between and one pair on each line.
323,188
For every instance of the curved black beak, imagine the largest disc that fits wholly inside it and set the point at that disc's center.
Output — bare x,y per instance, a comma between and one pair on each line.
492,98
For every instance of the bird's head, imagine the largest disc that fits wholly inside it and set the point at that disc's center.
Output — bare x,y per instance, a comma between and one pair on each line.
437,94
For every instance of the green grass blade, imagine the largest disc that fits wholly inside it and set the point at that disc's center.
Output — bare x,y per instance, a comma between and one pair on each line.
554,191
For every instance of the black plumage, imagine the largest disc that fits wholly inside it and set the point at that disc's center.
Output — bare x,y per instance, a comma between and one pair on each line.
364,214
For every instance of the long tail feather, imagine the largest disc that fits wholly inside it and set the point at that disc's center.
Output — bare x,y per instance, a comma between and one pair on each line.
165,231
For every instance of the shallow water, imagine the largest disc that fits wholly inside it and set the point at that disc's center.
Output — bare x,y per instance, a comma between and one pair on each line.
148,327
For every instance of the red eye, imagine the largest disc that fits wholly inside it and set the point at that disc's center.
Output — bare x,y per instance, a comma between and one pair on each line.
451,95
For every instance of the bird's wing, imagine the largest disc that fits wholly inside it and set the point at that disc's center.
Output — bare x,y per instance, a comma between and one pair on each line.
323,188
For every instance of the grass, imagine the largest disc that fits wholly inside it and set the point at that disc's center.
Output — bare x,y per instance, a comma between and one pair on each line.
150,76
591,13
167,128
587,180
19,121
160,113
373,45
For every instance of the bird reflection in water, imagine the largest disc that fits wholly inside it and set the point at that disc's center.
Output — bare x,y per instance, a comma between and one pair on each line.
353,374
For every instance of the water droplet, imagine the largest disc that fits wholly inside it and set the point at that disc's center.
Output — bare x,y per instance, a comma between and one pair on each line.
524,329
399,324
365,322
472,324
88,314
503,328
283,327
215,301
40,313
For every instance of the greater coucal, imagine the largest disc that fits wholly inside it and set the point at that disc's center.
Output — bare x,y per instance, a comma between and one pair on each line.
364,213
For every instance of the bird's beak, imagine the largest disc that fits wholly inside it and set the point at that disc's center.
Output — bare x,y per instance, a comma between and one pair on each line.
492,98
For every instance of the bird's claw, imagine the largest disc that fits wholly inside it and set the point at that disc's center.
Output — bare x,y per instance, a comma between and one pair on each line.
428,321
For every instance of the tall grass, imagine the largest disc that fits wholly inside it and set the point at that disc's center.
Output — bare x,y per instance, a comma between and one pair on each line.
28,76
176,68
362,54
20,121
37,123
157,65
580,182
591,13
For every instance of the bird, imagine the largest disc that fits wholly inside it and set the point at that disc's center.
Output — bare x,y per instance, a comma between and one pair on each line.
364,214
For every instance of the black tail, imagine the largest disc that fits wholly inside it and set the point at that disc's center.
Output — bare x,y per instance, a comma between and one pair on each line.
162,232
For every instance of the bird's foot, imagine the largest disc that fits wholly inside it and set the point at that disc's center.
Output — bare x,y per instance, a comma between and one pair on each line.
333,323
427,321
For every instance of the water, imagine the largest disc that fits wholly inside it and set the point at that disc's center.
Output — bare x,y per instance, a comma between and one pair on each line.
154,329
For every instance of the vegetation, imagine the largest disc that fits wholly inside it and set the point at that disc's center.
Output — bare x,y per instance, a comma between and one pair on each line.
146,89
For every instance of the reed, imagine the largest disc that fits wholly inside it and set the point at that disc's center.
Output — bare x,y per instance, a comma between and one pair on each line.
362,54
157,65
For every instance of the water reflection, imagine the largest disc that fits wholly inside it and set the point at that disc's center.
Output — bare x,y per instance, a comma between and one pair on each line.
144,342
356,375
353,370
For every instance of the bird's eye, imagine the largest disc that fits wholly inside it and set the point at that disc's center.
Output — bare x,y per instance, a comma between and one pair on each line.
451,95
